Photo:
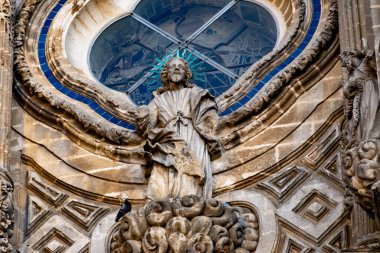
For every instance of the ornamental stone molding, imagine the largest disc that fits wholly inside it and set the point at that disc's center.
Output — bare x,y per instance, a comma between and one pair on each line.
6,212
272,97
6,77
272,178
360,144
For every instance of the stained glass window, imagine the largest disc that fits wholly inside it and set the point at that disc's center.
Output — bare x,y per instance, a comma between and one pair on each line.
227,37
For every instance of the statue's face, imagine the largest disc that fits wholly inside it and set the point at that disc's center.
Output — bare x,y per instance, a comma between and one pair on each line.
176,71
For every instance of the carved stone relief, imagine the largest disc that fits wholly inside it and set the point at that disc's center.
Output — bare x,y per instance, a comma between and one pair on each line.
360,144
6,77
118,135
301,188
50,218
6,212
83,214
190,224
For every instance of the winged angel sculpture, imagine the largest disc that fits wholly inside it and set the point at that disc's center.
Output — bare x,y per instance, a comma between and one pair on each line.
179,125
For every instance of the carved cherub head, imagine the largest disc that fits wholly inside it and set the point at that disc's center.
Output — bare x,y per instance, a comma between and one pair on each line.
176,70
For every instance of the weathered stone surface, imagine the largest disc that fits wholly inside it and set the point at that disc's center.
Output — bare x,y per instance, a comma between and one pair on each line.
190,224
279,146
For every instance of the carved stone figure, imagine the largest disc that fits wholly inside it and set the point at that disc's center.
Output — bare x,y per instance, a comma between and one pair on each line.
179,125
360,146
361,77
360,132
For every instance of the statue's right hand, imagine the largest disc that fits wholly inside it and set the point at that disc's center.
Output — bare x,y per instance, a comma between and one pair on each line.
134,111
139,112
143,111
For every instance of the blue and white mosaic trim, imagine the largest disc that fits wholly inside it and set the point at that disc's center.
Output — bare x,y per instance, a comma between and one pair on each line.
122,123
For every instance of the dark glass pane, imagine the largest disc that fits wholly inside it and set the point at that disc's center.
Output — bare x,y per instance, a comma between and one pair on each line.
239,38
204,76
208,77
143,94
180,18
125,51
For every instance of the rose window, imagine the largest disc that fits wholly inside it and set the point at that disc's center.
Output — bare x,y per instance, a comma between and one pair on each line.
221,39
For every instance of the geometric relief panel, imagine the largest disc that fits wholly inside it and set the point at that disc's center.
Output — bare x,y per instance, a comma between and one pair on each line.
56,236
322,149
54,241
338,241
46,192
314,208
332,171
84,214
284,182
38,212
292,245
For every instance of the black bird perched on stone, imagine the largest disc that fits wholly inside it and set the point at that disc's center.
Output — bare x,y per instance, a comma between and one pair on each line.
125,208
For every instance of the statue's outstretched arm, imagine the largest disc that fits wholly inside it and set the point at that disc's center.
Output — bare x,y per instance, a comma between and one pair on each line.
145,119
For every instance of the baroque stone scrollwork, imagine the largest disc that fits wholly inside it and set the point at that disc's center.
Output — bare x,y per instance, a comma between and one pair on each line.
189,224
6,212
362,168
360,145
359,142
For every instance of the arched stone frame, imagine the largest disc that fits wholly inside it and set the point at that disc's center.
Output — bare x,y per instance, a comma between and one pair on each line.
117,104
89,136
83,125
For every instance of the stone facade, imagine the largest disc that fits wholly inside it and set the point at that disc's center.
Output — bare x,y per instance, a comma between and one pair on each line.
300,168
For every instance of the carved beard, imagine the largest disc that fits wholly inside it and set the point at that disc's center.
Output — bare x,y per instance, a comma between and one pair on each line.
176,77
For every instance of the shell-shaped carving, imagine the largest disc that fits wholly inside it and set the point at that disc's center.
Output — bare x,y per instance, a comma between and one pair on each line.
201,224
133,227
213,208
155,240
189,206
224,245
249,220
236,234
251,234
241,250
178,224
250,239
131,246
178,242
200,243
249,245
158,213
217,232
228,219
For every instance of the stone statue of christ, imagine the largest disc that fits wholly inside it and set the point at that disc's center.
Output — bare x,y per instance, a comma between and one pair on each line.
179,125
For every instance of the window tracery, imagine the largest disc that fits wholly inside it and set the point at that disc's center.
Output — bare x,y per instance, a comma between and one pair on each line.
228,37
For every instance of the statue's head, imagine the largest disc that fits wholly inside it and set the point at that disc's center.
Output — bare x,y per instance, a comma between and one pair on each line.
176,70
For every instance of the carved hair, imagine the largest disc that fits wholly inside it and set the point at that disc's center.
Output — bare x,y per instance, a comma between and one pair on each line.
164,76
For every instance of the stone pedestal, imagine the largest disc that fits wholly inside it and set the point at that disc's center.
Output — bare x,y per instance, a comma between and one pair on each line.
190,224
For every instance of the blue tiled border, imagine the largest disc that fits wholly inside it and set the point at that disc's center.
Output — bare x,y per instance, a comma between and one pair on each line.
312,29
50,76
92,104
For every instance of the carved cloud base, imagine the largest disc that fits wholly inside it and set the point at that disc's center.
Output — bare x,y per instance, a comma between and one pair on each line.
190,224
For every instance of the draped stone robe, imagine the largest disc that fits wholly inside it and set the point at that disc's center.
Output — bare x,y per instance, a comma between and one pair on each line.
180,129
